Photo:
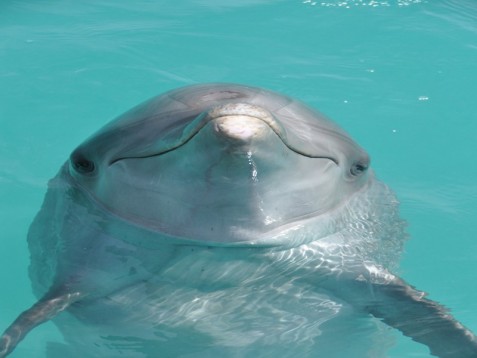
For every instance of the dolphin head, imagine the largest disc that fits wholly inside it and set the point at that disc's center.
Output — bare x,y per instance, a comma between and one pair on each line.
219,163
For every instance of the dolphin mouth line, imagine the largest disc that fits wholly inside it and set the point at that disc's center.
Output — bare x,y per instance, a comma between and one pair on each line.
229,110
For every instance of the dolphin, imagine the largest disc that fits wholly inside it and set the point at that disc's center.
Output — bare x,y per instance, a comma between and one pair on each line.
224,220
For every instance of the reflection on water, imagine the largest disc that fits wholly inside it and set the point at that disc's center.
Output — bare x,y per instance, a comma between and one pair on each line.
347,4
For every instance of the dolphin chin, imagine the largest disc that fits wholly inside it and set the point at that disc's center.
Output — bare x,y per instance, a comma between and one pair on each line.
225,220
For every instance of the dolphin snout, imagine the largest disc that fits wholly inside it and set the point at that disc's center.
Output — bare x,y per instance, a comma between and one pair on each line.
242,121
241,128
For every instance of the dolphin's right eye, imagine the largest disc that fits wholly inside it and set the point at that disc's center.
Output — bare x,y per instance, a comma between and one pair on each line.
82,164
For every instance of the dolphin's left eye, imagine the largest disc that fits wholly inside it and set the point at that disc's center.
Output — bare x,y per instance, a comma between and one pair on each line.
358,169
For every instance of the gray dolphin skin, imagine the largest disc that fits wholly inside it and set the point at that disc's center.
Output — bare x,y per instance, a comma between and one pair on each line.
222,220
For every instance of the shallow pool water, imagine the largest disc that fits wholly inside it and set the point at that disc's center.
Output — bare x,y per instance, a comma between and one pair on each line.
399,75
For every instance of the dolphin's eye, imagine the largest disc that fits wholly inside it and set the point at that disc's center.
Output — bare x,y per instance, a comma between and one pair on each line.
82,164
358,169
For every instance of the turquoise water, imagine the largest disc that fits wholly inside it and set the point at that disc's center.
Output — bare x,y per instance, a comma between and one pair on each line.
400,76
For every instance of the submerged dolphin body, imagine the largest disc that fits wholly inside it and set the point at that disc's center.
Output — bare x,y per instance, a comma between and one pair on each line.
224,220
